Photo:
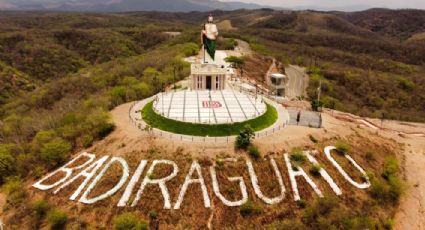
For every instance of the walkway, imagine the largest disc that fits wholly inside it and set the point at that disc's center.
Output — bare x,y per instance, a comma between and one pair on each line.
134,118
209,107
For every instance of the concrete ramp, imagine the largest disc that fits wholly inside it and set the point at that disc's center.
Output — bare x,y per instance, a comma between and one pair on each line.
307,118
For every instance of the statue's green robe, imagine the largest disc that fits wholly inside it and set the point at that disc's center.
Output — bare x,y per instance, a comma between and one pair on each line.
210,46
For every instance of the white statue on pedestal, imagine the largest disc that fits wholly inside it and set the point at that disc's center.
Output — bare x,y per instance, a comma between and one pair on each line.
208,37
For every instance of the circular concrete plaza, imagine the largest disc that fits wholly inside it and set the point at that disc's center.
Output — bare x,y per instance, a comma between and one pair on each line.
209,107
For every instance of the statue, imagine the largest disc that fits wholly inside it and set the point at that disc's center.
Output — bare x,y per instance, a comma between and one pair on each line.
208,37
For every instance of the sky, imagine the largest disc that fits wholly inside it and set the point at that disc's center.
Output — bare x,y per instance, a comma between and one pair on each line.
341,3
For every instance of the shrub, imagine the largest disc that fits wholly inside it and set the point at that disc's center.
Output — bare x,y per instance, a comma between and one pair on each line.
302,203
16,192
243,140
190,49
364,222
228,44
290,225
56,151
322,207
237,62
153,214
315,169
254,152
386,191
41,138
87,140
118,95
315,104
342,147
369,155
57,218
298,156
390,167
249,208
40,207
313,139
7,162
104,129
405,83
389,224
129,221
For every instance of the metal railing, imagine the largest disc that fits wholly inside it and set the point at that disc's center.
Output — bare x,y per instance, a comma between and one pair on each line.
135,118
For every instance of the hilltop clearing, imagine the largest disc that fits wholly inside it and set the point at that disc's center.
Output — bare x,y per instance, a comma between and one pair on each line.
68,81
132,144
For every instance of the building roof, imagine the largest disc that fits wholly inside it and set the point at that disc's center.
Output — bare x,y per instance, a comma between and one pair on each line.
278,76
206,69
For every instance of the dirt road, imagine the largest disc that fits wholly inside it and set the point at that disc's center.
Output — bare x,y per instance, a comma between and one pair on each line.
411,213
298,81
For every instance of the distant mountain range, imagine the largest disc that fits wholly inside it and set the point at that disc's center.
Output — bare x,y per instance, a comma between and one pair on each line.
124,5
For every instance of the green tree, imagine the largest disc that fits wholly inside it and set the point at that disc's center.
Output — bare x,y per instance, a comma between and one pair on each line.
7,162
190,49
243,140
129,221
57,218
118,95
41,138
56,151
236,62
316,104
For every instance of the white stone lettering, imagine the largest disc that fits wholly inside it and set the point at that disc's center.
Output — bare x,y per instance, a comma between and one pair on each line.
300,172
364,185
65,169
134,179
124,177
257,190
217,192
161,182
195,167
87,173
325,175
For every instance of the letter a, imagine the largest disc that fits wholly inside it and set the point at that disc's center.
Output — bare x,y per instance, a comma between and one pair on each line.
194,167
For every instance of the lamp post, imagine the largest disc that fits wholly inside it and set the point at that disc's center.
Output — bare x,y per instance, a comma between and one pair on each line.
209,110
162,93
155,81
174,78
319,90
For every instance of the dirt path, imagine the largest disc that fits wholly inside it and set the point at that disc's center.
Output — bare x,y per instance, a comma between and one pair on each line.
298,81
2,203
243,47
411,214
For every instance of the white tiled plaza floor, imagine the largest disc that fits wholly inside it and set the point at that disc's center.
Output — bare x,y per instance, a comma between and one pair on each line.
211,107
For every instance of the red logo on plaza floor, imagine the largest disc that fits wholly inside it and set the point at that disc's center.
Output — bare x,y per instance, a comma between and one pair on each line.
211,104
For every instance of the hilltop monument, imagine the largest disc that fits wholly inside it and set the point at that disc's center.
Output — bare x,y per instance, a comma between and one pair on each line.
211,73
208,38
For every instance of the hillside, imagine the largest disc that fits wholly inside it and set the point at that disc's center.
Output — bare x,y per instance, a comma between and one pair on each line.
364,72
126,5
399,24
67,81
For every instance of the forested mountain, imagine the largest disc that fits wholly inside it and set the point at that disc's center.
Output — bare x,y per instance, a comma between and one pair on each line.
125,5
61,73
353,55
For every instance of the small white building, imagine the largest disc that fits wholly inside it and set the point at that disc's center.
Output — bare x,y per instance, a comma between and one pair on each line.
209,76
278,83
